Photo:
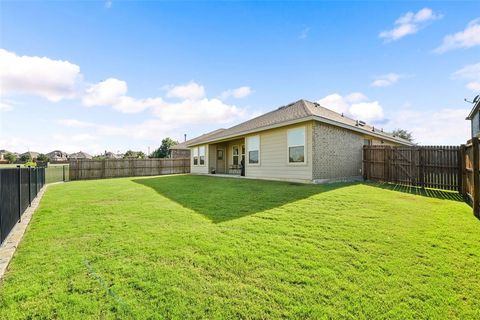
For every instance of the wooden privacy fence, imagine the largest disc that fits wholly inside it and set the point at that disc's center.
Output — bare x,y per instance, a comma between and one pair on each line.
100,169
423,166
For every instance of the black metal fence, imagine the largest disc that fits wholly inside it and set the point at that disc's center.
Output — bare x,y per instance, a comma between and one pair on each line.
18,188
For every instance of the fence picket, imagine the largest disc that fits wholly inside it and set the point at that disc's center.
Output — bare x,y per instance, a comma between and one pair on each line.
99,169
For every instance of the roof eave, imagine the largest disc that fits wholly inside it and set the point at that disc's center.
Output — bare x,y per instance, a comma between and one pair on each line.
300,120
473,111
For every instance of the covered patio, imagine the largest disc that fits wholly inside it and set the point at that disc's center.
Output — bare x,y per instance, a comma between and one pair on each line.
227,157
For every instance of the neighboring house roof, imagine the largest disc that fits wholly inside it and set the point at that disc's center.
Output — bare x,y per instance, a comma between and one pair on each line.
476,106
112,155
296,112
57,154
80,155
186,144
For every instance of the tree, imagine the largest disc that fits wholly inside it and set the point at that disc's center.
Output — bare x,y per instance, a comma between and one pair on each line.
42,158
163,150
407,135
25,158
134,155
10,157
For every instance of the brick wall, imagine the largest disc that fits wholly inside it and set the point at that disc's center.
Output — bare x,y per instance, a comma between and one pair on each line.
337,153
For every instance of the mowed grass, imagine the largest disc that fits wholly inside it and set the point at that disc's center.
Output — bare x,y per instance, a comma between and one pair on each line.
203,247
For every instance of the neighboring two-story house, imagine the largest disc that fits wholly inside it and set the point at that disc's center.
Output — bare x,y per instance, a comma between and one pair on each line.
474,117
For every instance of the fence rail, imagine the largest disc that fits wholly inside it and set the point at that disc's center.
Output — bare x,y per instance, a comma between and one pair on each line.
18,188
101,169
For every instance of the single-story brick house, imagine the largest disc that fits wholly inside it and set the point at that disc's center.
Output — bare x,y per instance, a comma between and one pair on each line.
302,141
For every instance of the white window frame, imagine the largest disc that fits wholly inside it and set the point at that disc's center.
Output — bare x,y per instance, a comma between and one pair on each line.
248,150
304,162
200,156
195,155
238,155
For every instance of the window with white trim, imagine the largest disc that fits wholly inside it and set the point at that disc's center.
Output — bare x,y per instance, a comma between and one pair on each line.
201,153
195,156
253,148
296,145
235,155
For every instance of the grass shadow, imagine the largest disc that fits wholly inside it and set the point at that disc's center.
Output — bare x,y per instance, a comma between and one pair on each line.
425,192
224,199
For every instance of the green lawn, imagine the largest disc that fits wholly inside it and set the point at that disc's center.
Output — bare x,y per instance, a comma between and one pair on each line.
205,247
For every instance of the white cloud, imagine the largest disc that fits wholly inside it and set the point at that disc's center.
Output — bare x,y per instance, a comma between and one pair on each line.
6,105
108,4
73,123
191,90
238,93
474,86
112,92
304,33
442,127
106,92
469,37
198,111
355,105
369,111
40,76
386,80
409,23
469,72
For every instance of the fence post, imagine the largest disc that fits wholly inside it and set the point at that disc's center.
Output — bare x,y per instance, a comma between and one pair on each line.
365,165
461,170
476,177
29,185
63,172
19,193
1,236
421,160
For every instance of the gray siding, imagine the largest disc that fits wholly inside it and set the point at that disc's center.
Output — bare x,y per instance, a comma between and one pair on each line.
475,125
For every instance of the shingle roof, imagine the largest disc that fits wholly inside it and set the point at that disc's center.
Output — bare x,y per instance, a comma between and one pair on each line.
301,110
80,155
184,145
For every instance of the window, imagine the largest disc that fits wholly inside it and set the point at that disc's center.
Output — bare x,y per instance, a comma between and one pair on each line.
235,155
296,145
195,156
253,145
220,154
201,153
367,142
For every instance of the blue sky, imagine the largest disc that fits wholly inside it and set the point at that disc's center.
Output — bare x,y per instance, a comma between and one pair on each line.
95,76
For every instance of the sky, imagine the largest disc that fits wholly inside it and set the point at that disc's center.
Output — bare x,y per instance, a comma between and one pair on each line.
120,75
